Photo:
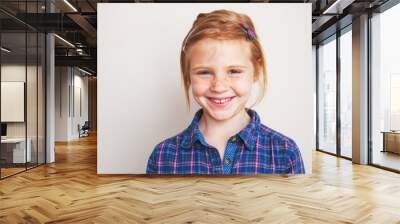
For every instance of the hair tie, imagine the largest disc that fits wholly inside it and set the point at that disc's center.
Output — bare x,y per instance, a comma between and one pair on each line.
250,35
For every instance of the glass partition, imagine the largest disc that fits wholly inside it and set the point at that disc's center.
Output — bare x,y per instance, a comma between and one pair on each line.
41,107
22,63
13,109
327,96
31,100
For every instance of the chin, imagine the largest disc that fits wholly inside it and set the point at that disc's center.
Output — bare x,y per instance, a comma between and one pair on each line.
221,115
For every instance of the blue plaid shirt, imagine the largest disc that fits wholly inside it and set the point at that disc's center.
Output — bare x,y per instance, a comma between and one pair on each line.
256,149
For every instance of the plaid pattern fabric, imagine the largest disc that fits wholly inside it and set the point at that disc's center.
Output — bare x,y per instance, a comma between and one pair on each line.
256,149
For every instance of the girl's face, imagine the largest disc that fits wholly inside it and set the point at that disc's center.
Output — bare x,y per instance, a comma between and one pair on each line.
222,76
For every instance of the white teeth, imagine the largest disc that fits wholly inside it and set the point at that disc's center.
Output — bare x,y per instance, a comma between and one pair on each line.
221,101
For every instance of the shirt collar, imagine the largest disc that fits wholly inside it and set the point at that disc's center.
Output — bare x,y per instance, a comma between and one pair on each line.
248,134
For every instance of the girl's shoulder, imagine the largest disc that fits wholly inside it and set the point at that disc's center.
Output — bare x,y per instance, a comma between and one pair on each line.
275,136
172,143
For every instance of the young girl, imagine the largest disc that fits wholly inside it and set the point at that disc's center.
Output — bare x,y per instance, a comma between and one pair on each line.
221,58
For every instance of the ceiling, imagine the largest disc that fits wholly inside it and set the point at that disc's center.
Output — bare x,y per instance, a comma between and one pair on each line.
76,22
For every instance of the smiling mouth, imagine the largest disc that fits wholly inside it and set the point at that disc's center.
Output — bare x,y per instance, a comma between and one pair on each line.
221,100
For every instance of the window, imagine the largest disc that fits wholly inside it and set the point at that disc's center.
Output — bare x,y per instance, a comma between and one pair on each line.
346,93
385,88
327,96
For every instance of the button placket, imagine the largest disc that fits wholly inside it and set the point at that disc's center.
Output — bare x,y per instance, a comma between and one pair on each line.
229,155
215,161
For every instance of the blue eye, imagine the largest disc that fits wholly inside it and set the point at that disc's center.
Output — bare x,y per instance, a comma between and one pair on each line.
235,71
203,72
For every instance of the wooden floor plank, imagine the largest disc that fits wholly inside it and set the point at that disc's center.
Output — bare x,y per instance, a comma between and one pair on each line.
70,191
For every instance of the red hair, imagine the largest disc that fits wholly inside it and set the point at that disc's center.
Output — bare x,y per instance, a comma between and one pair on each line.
223,25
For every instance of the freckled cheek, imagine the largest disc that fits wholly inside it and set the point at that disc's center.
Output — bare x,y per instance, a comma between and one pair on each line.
199,88
242,88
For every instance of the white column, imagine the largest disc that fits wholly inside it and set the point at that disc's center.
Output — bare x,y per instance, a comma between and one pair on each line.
50,110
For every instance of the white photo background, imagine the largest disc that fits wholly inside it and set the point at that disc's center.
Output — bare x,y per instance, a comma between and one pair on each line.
140,93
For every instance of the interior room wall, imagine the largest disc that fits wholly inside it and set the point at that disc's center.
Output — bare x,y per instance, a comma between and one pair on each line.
62,80
67,115
79,116
92,98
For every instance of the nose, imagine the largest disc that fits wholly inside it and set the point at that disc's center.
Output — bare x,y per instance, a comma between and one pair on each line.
220,83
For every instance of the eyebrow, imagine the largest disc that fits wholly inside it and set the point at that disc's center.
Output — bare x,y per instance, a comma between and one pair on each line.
207,67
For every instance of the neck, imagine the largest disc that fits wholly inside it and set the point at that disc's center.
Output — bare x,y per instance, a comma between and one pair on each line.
226,128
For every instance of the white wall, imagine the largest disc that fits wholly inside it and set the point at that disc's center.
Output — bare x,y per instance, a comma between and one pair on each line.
12,101
80,83
18,73
61,103
68,81
140,94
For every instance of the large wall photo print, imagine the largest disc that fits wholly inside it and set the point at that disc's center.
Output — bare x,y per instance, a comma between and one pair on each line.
209,89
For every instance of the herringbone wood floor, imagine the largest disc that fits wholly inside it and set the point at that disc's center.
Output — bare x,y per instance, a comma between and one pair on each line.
70,191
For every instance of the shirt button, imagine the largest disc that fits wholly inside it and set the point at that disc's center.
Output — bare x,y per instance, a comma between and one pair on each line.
234,139
227,161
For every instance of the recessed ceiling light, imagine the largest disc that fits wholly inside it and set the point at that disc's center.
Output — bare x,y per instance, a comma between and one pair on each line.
84,71
64,40
337,7
5,50
70,5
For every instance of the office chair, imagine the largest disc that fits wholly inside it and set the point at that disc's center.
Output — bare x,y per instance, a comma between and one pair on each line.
84,130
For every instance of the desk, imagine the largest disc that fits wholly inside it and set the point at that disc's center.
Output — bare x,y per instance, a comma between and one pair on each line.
17,151
391,141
